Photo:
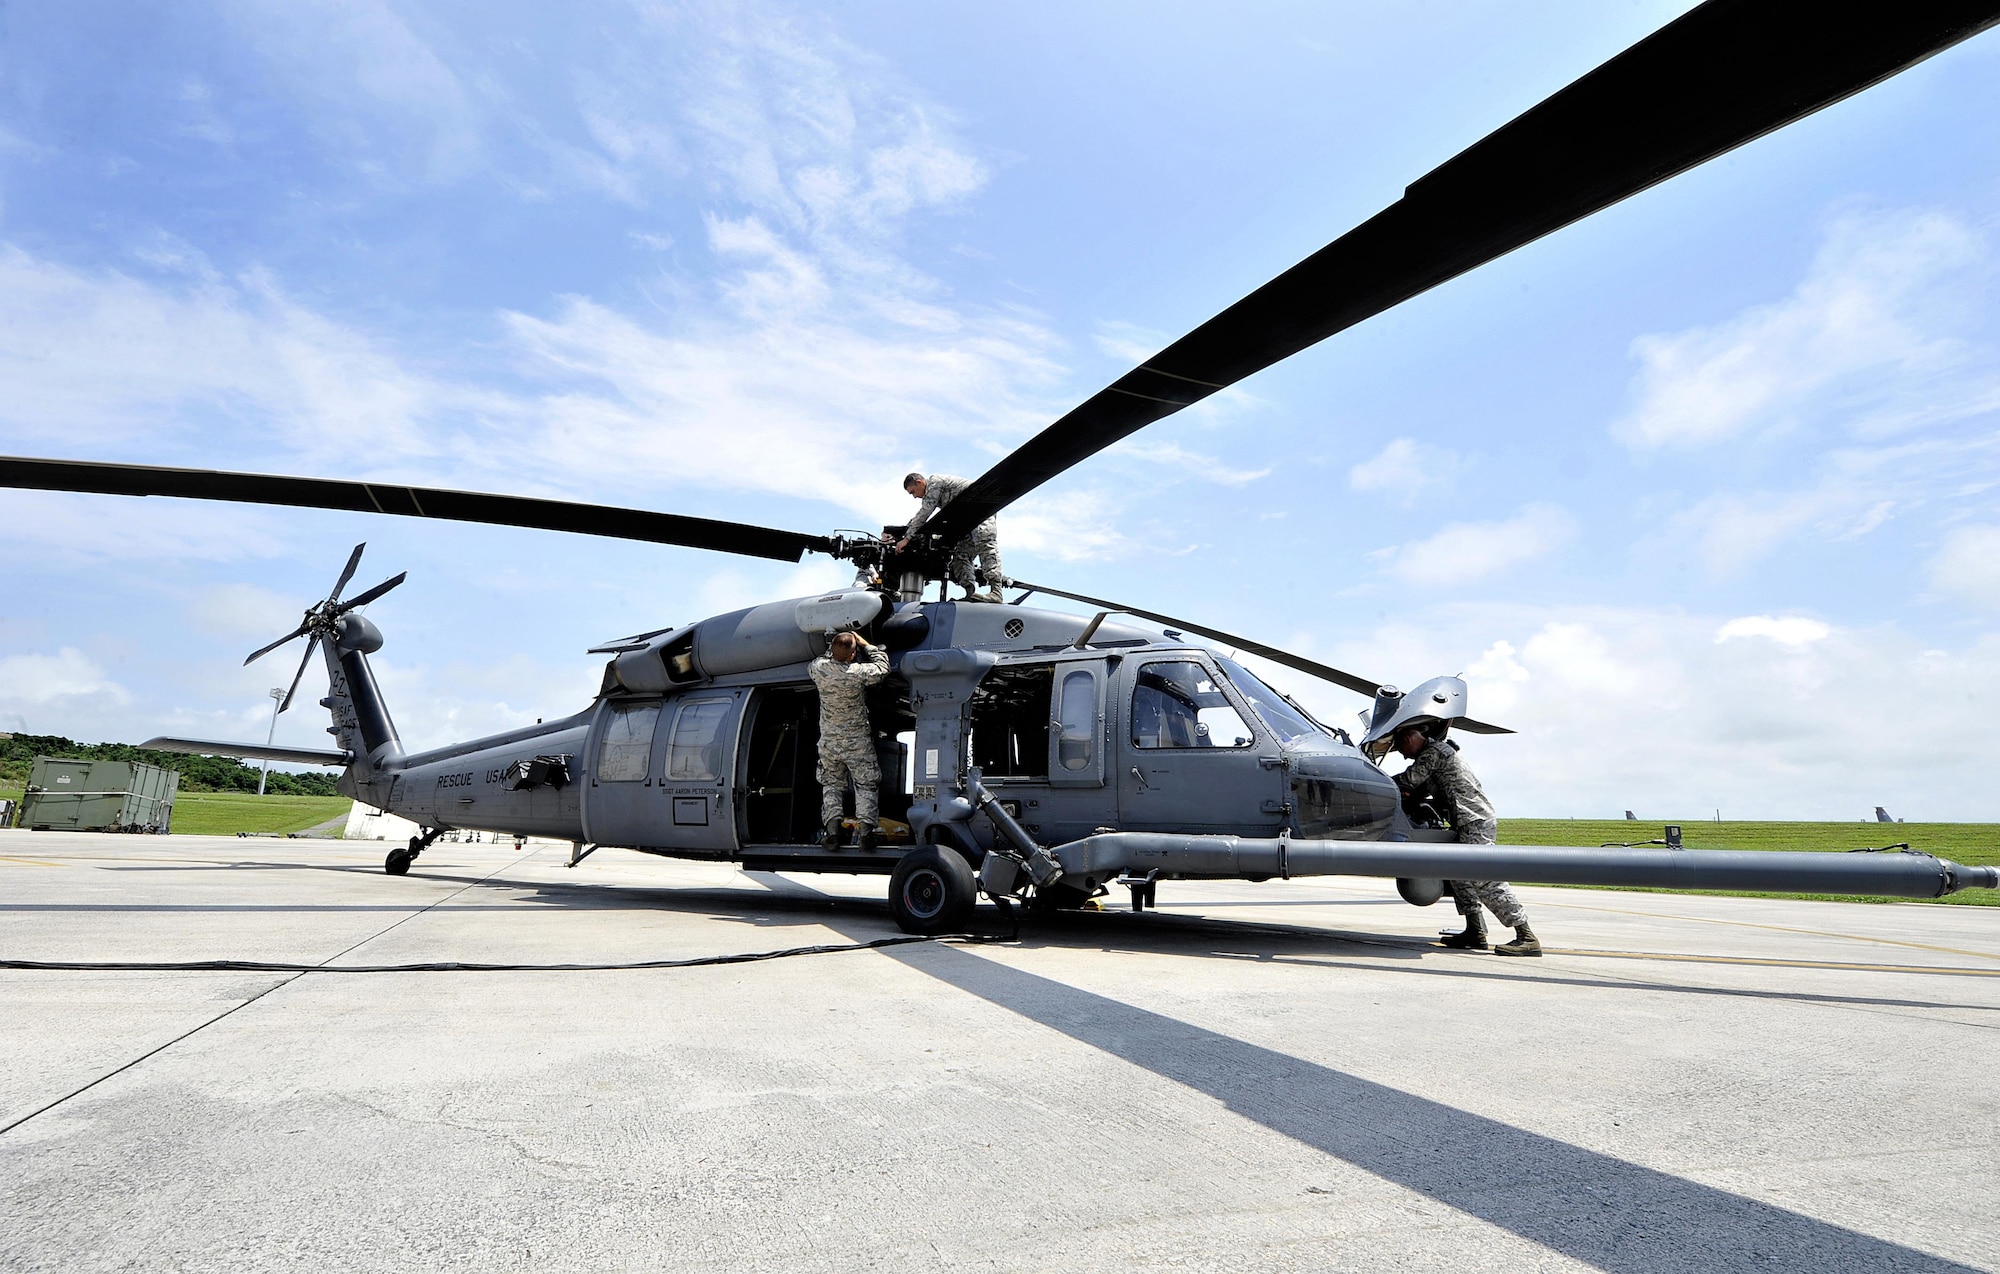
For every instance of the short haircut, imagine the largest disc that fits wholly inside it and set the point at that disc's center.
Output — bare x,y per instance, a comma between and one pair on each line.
843,640
912,479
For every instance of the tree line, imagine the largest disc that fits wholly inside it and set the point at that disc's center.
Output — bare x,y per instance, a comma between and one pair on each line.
198,773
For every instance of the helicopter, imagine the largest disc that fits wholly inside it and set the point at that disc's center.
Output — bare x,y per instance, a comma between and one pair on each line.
1039,756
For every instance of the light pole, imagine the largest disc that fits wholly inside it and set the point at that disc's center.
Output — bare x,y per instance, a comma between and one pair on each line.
277,694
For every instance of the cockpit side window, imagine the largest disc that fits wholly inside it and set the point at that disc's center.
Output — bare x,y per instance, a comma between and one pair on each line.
1176,704
1287,722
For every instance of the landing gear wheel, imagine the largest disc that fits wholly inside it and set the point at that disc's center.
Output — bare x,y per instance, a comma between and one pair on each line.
932,890
398,862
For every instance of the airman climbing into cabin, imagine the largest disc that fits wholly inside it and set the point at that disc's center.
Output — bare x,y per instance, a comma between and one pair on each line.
846,738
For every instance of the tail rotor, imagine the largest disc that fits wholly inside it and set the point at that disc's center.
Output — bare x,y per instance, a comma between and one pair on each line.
320,622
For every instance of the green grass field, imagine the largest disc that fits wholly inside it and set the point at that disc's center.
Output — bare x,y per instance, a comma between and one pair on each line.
226,813
1974,844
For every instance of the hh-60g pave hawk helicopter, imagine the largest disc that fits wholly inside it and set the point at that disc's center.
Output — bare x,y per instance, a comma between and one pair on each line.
1049,756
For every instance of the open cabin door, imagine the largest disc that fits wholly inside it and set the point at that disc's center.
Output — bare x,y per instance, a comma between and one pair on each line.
779,761
1038,737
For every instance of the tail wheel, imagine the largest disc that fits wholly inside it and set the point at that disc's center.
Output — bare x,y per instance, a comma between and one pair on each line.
932,890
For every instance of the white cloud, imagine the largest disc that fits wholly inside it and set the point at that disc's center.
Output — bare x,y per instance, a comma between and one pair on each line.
62,530
378,93
1467,551
811,362
1644,709
1405,468
1128,342
1786,630
256,615
37,681
1211,468
1879,323
1968,565
105,355
1075,526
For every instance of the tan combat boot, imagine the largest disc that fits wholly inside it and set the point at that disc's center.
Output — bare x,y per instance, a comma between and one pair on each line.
1525,943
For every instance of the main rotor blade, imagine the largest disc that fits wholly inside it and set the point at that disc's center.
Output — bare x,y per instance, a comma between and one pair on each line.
347,573
311,646
1715,78
1346,680
373,593
413,502
1470,726
300,631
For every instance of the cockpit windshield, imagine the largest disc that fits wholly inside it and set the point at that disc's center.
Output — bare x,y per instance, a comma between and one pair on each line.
1287,722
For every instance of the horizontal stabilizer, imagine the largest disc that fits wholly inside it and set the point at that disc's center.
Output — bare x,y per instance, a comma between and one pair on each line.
250,751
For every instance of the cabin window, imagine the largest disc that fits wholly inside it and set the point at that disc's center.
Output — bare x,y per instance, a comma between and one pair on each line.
1010,723
1077,720
627,751
1178,705
695,753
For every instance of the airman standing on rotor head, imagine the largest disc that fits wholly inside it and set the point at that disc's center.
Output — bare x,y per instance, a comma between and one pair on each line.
846,738
1436,773
983,541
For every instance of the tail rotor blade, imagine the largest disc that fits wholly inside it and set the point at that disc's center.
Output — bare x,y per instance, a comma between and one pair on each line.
347,573
371,594
311,646
300,631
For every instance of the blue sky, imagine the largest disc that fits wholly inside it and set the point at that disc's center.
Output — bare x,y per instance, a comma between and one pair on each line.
1698,493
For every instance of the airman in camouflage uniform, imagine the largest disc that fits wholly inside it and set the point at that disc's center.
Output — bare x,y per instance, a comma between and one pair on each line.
1437,774
983,541
846,739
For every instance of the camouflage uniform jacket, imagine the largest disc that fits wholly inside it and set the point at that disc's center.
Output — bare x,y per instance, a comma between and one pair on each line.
941,489
1439,775
843,703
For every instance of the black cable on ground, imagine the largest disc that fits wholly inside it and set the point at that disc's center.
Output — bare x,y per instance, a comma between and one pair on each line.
459,966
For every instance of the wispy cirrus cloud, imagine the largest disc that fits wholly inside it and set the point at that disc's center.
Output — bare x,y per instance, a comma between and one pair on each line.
1466,551
1967,566
805,359
1878,337
1405,468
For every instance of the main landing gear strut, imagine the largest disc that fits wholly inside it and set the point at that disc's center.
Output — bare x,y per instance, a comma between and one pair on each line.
399,860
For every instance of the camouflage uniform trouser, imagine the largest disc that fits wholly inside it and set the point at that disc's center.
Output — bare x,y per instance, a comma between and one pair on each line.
984,545
841,759
1468,894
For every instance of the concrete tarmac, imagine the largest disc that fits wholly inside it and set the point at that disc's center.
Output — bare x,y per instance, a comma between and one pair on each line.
1285,1076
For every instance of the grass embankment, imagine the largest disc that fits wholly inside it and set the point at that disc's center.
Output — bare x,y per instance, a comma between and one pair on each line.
227,813
1974,844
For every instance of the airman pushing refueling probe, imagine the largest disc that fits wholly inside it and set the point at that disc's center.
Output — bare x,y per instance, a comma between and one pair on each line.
1439,775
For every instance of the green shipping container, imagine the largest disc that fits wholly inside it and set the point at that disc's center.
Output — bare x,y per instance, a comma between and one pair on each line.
98,796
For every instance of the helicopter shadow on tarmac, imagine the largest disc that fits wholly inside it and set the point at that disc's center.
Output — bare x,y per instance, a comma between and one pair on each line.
1595,1208
783,903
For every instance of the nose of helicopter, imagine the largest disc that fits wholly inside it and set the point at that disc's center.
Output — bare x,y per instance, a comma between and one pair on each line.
1337,794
